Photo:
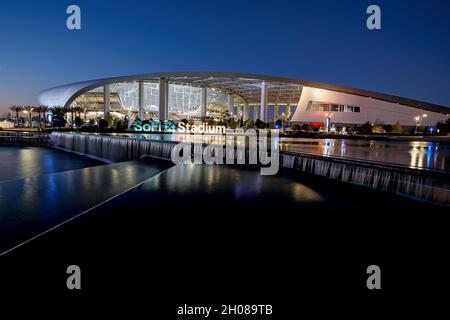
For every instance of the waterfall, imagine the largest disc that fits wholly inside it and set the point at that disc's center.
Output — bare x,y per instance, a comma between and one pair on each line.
288,161
111,148
422,184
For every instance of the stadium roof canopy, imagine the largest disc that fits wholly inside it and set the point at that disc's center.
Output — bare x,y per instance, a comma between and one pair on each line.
246,87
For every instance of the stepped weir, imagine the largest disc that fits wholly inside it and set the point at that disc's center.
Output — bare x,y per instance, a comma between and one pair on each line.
33,139
421,184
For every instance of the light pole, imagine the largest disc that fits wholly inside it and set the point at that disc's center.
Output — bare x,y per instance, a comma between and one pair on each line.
419,121
328,117
423,116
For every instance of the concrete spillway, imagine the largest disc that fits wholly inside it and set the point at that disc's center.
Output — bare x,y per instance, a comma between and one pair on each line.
425,185
111,148
24,139
422,184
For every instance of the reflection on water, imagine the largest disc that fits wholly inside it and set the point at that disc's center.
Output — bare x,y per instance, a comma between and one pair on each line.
227,184
17,163
34,204
414,154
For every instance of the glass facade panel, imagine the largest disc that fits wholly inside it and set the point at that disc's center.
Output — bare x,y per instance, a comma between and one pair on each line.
184,101
151,100
323,106
128,94
217,103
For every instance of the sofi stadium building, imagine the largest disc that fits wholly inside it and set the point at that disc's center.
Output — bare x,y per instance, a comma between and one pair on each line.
199,95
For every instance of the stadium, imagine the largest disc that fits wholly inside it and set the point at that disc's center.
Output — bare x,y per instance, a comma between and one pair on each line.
200,95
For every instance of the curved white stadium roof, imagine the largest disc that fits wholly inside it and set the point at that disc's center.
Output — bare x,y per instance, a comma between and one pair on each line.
246,86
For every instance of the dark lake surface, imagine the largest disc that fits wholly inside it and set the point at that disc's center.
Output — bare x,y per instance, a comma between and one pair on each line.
42,187
225,229
22,162
209,232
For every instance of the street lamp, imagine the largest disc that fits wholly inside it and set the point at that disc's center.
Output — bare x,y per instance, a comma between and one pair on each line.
423,116
419,120
328,117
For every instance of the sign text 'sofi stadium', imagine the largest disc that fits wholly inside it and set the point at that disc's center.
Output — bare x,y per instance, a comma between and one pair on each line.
182,127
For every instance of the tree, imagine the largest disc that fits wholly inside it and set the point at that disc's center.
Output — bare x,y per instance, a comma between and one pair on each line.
259,124
397,128
366,128
387,128
249,124
78,110
65,110
378,127
71,109
78,122
121,125
16,109
103,124
29,110
43,110
443,127
305,127
58,117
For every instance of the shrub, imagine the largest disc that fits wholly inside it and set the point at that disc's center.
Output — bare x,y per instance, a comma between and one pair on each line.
102,124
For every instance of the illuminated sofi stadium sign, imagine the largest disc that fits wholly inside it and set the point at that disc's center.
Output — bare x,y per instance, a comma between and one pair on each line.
182,127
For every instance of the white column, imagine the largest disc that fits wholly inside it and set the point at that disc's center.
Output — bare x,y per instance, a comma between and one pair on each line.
231,109
163,99
203,106
288,110
263,112
255,112
106,101
245,111
141,100
276,111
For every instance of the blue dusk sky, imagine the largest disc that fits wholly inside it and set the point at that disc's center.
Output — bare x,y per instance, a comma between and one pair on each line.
325,41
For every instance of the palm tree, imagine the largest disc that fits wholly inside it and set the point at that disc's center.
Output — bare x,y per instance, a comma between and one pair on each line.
38,110
72,112
58,116
65,110
43,110
16,109
79,110
29,110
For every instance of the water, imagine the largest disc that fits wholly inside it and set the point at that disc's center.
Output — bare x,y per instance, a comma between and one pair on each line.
112,147
22,162
41,187
412,154
181,227
180,191
306,155
32,205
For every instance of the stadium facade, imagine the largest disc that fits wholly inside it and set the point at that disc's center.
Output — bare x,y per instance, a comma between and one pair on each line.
196,95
